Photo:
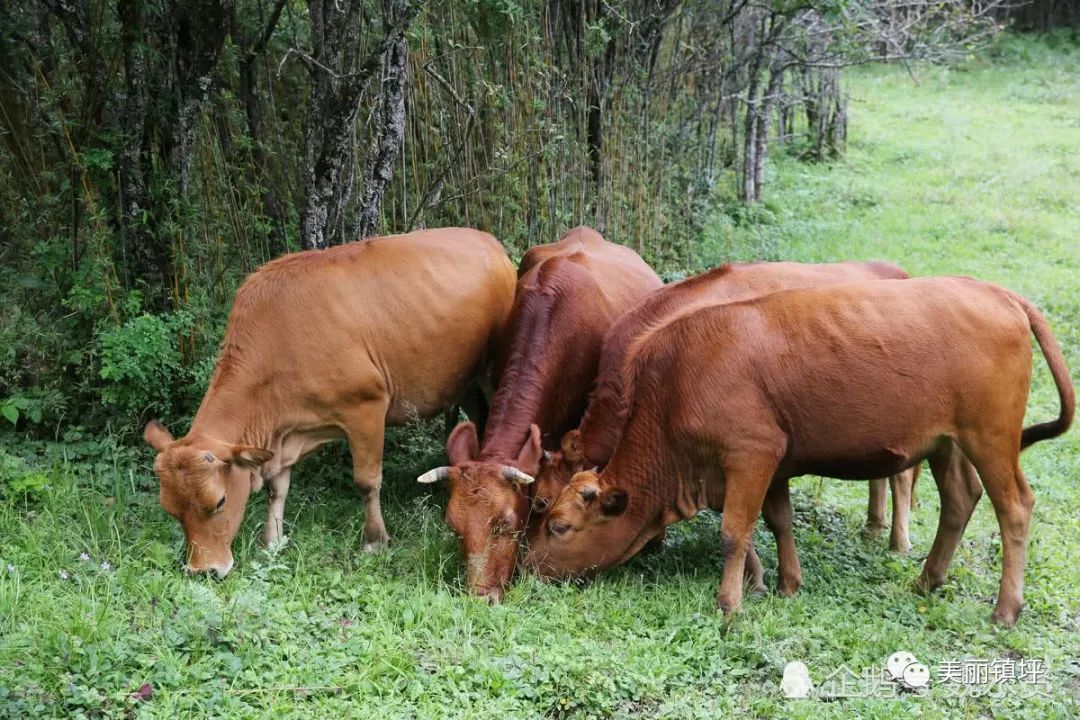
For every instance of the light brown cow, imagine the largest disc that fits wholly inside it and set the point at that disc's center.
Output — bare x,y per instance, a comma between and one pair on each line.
328,344
567,298
592,444
731,400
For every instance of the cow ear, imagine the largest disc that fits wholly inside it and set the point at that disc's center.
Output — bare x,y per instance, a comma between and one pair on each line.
573,448
528,460
249,457
462,446
157,436
613,501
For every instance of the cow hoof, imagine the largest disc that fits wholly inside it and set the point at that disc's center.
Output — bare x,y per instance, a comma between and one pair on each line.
1005,617
874,530
788,589
376,546
900,547
727,605
925,585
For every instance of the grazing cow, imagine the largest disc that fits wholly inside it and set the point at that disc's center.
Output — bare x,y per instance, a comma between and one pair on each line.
592,444
570,295
730,400
325,344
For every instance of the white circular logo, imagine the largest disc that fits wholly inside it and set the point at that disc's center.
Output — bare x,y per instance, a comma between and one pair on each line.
916,675
796,682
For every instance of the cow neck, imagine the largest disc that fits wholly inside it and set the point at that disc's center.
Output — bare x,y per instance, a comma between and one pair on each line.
663,485
518,403
600,427
527,389
236,414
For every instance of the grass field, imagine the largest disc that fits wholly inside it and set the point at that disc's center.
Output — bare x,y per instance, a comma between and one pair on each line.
972,170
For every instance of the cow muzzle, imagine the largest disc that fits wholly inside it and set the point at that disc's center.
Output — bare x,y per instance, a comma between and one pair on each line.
217,570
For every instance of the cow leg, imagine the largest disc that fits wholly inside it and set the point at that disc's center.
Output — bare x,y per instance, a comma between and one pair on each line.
746,484
1013,502
901,485
777,512
277,488
365,429
959,490
754,573
875,510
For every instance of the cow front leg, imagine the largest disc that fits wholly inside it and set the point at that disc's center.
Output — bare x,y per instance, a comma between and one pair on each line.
746,479
277,488
365,430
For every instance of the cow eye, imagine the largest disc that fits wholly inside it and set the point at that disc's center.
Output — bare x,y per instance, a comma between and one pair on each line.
558,528
505,524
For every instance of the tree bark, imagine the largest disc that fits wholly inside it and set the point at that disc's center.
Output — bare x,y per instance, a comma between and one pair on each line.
149,260
391,113
338,83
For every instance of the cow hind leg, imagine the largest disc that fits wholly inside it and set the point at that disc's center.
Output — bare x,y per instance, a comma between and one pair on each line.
1013,502
901,485
365,428
959,490
746,483
875,509
777,513
277,488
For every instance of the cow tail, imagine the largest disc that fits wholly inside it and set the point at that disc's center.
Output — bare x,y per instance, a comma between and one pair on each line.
1056,362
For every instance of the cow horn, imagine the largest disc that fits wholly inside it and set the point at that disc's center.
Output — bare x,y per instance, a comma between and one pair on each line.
516,476
436,475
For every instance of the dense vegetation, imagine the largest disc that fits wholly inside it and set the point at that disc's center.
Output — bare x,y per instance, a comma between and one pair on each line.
969,168
154,153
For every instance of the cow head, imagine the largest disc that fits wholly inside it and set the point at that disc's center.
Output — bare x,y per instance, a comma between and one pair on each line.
556,469
585,530
488,506
205,485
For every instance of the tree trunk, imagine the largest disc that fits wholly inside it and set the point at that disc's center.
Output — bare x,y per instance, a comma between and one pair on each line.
391,113
199,29
338,83
149,259
761,136
250,96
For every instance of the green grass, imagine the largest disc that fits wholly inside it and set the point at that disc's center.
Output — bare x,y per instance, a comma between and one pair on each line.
973,170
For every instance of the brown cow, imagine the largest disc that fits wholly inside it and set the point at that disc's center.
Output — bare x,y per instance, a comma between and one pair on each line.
325,344
570,295
731,400
592,444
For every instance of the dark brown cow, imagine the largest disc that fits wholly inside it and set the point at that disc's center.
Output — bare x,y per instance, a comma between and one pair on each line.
570,295
592,444
731,400
326,344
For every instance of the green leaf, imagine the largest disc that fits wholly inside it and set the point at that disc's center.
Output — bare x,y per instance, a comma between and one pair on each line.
9,411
